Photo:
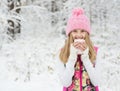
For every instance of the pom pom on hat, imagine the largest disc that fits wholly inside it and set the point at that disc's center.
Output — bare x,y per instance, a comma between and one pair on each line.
78,20
77,11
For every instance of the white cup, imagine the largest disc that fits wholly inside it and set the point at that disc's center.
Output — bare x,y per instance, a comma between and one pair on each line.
81,41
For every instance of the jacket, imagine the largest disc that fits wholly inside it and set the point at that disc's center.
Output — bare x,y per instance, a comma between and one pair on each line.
67,73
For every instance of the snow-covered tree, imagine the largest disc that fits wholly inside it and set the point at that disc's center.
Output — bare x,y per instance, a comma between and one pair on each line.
42,25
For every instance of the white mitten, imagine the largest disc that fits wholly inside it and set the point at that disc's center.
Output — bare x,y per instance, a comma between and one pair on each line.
73,56
89,67
85,56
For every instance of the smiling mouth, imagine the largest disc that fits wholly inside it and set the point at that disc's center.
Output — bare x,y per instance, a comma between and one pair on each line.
78,37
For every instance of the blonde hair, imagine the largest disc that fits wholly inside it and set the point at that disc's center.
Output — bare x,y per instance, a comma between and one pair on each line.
65,51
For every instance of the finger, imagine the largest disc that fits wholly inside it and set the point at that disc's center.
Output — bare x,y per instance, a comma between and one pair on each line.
79,47
84,45
76,43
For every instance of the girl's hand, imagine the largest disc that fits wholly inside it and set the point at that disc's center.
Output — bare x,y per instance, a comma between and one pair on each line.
80,44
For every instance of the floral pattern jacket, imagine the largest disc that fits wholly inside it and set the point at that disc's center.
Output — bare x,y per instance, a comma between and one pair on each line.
81,80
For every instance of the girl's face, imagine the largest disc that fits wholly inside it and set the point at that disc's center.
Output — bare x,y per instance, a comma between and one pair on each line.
78,34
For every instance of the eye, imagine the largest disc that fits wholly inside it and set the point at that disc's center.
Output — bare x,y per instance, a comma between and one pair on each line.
75,31
82,31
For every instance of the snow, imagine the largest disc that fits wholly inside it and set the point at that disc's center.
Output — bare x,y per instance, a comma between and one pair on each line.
42,83
26,61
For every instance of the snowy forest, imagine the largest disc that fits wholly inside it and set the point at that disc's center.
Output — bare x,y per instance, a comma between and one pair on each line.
32,32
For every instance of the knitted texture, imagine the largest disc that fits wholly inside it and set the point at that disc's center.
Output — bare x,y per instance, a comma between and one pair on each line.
78,20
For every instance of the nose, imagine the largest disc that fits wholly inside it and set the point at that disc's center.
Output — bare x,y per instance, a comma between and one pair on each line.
79,36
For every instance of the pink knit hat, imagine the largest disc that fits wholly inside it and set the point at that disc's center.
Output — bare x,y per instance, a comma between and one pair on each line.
78,20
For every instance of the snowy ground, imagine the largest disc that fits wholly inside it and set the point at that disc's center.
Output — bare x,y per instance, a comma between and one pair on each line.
23,68
38,83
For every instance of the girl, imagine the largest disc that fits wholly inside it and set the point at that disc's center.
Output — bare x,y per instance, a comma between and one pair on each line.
76,61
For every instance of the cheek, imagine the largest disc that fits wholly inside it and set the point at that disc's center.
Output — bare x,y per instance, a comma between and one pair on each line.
73,34
84,35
